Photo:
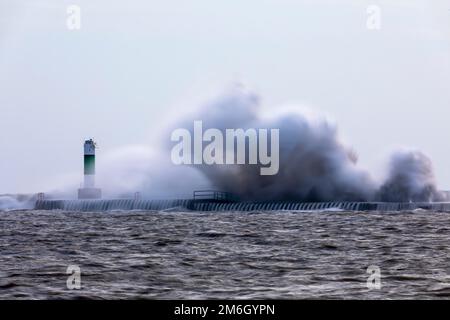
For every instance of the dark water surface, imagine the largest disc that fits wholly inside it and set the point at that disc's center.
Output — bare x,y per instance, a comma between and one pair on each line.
235,255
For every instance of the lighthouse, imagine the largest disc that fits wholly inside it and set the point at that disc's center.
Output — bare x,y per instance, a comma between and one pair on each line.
89,191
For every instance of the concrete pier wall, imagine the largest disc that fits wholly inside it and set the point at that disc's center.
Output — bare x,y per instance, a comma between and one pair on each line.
208,205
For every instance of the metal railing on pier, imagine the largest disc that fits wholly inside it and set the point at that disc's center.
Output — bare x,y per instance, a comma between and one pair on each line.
214,195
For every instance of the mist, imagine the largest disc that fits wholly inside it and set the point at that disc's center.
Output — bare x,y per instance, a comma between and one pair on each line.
16,202
411,179
315,164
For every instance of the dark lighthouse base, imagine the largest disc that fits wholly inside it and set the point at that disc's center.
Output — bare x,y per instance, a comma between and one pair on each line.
89,193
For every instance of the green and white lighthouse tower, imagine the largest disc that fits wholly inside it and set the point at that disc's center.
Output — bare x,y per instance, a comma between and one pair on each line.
89,164
89,191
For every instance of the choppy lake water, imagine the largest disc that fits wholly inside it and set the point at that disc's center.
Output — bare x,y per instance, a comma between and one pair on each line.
238,255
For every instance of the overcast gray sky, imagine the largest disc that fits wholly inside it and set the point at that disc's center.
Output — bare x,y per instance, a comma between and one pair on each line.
133,62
